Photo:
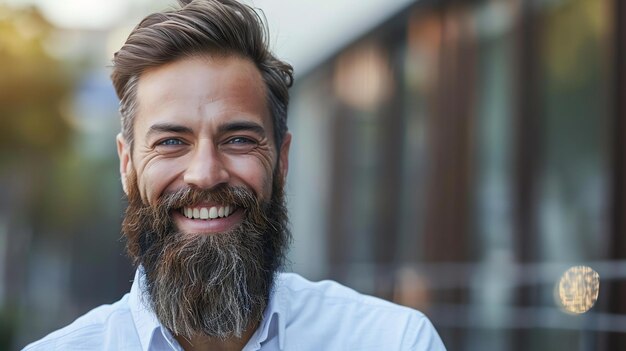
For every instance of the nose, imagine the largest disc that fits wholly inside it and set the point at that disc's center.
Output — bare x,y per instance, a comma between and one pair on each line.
206,169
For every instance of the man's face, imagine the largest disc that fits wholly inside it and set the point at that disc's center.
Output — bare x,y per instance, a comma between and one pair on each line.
206,216
203,122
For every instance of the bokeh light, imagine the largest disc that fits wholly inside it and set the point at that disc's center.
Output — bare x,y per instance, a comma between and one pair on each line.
578,289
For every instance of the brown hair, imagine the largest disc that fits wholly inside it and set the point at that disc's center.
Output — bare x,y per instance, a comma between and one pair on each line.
213,27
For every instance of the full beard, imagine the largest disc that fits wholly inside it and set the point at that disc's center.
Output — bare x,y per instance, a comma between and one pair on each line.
217,284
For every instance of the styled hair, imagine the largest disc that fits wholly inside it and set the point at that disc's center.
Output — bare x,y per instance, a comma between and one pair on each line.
200,27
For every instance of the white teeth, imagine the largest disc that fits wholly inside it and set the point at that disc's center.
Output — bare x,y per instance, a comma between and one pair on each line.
213,212
207,213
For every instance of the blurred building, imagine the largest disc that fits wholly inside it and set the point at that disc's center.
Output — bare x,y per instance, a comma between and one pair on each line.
460,157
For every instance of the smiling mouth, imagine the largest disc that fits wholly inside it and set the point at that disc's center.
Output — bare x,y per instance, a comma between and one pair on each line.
208,213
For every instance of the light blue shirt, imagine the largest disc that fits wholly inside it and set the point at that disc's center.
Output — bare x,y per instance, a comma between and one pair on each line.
301,315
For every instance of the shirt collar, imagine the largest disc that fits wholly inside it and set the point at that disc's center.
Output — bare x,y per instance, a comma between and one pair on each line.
274,317
147,325
149,328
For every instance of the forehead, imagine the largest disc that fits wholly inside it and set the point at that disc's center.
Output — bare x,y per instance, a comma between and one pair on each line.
202,86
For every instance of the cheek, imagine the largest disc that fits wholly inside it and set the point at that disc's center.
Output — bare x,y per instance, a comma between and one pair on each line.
159,177
255,173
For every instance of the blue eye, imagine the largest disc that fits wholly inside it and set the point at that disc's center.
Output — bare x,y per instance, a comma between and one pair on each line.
171,142
239,144
240,140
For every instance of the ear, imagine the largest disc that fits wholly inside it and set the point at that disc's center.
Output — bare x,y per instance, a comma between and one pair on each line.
126,164
284,156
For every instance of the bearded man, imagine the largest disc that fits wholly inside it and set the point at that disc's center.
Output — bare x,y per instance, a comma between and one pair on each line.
203,160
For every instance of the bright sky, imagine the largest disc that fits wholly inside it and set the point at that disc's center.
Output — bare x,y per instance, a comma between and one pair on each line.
303,32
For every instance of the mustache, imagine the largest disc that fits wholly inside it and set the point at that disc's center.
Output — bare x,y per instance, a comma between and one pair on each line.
189,196
223,194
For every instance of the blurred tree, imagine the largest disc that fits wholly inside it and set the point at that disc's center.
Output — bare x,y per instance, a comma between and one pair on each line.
32,87
60,206
33,137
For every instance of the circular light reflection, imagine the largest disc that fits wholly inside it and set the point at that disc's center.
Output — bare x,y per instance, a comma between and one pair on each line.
578,289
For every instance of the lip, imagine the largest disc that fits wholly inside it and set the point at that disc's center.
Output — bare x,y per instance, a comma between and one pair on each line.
207,226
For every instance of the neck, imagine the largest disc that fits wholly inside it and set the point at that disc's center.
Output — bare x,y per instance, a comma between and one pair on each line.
201,343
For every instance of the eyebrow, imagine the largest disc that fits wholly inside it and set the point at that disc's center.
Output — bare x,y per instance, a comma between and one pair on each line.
225,128
168,128
242,126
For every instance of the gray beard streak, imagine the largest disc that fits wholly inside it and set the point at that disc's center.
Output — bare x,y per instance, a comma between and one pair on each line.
212,285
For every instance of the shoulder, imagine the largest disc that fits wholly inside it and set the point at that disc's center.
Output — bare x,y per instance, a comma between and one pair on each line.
355,320
328,293
331,292
88,331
